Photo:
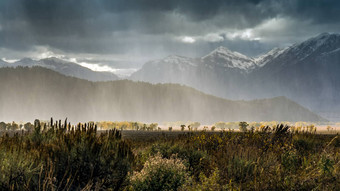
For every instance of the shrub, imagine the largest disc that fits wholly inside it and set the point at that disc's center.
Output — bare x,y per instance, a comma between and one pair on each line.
304,144
196,161
205,183
160,174
241,170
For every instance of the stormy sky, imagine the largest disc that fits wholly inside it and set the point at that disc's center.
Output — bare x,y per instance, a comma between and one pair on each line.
127,33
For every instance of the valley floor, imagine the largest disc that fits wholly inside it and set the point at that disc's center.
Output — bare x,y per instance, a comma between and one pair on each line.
81,157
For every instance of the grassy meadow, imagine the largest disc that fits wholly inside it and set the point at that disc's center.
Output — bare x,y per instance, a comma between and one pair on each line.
55,155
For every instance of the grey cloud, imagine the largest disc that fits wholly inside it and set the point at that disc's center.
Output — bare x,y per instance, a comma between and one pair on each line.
324,11
149,28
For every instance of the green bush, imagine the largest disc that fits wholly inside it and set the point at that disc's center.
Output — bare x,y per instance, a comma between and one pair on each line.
290,162
205,183
241,170
196,161
304,144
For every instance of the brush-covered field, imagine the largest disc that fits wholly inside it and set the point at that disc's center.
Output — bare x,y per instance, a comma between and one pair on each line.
59,156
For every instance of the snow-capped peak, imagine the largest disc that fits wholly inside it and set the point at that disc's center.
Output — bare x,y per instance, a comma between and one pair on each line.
175,59
323,43
317,41
25,62
56,60
226,52
231,59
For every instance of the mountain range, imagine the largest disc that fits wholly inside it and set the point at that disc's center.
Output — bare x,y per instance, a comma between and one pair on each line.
306,72
63,67
35,92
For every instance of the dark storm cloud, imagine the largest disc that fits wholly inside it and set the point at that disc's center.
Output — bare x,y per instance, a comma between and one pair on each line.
319,11
153,27
84,17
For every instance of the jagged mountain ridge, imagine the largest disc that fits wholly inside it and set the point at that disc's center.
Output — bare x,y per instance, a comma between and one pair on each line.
206,73
221,58
64,67
306,72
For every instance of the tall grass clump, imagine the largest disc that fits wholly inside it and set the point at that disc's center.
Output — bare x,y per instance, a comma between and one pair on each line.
64,157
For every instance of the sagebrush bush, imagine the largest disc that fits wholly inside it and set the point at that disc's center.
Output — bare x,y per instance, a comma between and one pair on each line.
160,173
195,160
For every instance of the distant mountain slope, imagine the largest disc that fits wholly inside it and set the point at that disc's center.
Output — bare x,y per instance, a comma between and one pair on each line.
3,63
306,72
269,56
167,70
28,93
217,73
64,67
